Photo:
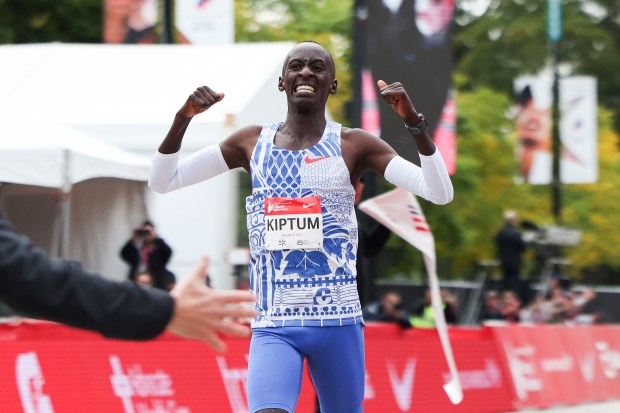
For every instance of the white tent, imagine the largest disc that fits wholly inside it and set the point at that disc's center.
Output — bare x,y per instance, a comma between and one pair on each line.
127,95
75,196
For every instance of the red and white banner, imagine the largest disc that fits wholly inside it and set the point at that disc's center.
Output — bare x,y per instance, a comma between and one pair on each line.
553,365
52,368
406,371
400,211
578,129
47,368
205,21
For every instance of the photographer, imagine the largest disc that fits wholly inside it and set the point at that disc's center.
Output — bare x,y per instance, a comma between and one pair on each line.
389,309
510,248
146,251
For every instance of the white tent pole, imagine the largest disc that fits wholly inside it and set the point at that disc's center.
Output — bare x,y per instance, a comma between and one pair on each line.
65,195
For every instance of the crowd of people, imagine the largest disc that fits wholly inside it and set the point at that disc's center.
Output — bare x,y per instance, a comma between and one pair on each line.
391,309
509,300
561,304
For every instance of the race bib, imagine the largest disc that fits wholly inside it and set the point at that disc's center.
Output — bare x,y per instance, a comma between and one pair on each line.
295,223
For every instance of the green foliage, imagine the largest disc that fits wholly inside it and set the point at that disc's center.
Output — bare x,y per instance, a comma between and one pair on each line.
491,50
38,21
327,22
595,207
510,39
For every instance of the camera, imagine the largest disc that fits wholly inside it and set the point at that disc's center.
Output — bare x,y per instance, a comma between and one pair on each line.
550,235
141,232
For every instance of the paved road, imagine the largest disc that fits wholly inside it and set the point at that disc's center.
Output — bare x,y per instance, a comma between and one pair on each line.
608,407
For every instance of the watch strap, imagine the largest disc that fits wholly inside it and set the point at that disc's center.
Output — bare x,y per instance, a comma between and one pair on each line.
419,127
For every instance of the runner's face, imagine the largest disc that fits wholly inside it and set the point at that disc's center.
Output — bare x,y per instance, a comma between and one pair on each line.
308,75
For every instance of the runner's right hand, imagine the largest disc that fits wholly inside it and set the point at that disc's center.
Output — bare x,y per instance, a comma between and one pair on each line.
200,100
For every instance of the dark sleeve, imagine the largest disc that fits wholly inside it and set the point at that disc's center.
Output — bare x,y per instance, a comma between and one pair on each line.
130,254
163,250
62,291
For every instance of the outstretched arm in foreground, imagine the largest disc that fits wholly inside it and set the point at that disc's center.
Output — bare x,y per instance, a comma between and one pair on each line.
201,312
62,291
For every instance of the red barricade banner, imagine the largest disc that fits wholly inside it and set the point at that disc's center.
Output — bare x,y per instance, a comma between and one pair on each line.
560,365
50,368
406,371
47,368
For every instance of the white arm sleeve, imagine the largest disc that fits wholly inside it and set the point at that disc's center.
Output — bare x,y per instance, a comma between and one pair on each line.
431,181
169,174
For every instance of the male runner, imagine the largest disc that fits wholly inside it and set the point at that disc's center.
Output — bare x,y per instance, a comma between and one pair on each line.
302,226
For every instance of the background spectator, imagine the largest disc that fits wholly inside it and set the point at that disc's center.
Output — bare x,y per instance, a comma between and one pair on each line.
510,249
389,309
145,279
510,306
146,251
422,314
491,309
537,311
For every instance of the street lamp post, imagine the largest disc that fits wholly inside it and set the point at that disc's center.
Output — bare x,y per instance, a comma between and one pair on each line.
554,32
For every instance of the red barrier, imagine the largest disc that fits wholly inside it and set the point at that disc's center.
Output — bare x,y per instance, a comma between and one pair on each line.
552,365
406,371
50,368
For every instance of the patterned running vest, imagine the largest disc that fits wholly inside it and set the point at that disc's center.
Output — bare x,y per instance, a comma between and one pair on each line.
304,287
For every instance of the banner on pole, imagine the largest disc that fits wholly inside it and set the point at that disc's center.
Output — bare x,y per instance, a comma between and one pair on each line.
400,211
578,129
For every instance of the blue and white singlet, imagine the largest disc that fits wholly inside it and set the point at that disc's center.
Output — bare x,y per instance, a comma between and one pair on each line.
304,287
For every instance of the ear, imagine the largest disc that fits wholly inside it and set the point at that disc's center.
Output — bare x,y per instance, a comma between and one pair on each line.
334,88
280,84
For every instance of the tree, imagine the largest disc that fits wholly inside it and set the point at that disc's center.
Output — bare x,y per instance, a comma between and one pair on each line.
42,21
325,21
491,50
510,39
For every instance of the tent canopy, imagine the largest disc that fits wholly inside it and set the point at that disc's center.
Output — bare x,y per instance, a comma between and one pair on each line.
55,156
128,94
71,194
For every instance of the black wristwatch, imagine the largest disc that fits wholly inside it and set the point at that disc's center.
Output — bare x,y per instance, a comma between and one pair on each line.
420,127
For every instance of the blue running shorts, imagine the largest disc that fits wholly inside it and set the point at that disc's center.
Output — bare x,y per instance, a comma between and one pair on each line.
335,360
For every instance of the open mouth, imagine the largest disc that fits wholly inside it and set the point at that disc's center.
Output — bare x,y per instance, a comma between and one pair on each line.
528,142
305,89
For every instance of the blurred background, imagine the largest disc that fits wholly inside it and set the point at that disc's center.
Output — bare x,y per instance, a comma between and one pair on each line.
523,101
117,70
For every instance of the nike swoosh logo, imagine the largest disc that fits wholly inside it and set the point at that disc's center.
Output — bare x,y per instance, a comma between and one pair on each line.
308,205
312,160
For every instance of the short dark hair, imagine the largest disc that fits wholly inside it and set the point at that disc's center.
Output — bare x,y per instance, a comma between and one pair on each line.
331,58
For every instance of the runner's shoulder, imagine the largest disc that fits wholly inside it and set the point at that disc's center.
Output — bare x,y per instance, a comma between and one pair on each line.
245,135
249,131
359,138
356,133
